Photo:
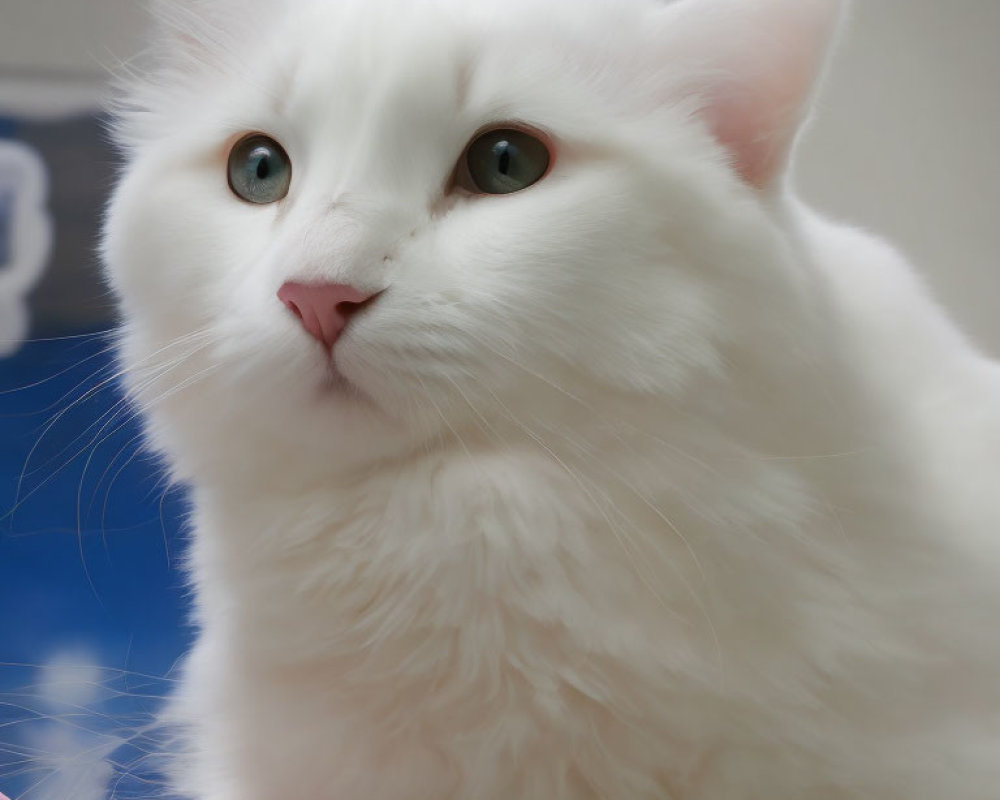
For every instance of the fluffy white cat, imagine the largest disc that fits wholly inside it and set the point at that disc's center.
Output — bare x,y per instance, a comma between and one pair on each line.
541,443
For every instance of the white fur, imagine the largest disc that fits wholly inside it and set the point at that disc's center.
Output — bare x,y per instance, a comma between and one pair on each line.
652,484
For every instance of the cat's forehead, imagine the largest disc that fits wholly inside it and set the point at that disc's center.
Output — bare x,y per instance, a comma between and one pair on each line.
347,55
349,58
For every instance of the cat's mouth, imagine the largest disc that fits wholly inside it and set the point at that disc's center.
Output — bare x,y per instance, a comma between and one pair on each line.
325,312
334,381
335,384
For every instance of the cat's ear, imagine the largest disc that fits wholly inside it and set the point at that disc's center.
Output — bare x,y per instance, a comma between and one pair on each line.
754,65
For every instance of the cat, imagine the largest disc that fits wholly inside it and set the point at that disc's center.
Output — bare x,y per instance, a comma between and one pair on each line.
541,443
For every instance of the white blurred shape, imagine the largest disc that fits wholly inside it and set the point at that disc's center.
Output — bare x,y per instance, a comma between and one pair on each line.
70,679
73,755
26,233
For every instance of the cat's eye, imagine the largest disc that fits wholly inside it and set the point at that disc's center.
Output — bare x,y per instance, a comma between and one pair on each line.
259,169
504,160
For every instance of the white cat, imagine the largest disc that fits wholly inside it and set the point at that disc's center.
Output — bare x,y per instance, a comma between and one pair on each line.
542,445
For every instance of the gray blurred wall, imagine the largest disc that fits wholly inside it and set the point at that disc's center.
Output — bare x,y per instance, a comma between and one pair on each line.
904,143
75,37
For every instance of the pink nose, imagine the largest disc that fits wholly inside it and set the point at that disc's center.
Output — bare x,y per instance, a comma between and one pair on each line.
323,308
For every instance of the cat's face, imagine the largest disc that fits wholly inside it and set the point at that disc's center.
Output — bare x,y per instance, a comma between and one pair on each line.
626,267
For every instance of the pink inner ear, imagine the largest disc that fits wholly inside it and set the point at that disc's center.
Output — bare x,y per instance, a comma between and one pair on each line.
758,124
764,57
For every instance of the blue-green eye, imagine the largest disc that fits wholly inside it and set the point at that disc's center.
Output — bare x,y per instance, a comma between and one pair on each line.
259,169
506,160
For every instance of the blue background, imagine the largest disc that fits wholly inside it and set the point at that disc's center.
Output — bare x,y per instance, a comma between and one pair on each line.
90,544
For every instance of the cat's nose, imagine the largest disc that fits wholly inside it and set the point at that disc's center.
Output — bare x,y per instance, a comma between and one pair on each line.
323,308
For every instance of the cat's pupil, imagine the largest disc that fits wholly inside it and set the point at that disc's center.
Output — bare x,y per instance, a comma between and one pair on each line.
502,149
263,166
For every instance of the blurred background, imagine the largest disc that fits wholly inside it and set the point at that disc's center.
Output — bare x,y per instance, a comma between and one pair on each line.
91,602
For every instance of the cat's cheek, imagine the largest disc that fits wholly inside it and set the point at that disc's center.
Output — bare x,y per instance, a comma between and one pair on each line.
175,244
125,253
152,255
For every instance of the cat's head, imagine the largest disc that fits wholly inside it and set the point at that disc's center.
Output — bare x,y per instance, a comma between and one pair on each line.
548,205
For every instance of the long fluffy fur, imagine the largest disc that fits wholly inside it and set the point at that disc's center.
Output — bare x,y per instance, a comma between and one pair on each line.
650,483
